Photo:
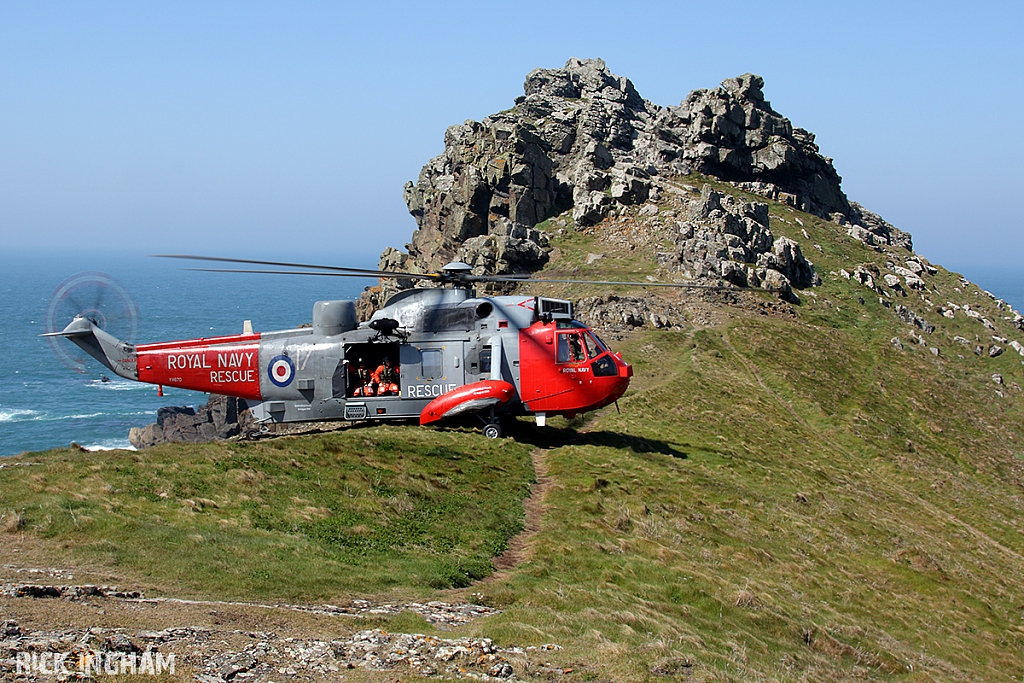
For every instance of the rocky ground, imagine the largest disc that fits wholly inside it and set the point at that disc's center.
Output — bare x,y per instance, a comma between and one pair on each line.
217,641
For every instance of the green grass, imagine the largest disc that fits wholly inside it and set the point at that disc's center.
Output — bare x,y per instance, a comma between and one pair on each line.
366,510
778,499
775,523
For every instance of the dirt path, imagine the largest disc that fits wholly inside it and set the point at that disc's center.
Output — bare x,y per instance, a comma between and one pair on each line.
518,550
53,610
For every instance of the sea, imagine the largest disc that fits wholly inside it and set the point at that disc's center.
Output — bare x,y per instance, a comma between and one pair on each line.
52,395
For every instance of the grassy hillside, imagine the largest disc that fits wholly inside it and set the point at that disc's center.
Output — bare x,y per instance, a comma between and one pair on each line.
785,495
384,509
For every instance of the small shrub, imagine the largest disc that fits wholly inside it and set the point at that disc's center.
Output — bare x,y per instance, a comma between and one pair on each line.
12,521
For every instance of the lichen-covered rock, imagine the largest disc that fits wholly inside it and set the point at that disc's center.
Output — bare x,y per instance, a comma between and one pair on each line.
623,313
911,318
731,239
880,230
777,282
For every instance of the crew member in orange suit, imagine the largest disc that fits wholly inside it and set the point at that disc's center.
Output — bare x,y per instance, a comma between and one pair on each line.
386,377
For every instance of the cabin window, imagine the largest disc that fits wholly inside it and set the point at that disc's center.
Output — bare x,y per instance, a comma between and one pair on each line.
485,361
433,363
570,348
604,367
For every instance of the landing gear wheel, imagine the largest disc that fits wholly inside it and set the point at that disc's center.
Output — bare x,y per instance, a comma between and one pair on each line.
258,433
492,431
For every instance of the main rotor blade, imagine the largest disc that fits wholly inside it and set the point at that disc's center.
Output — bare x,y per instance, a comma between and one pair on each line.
359,271
377,274
526,278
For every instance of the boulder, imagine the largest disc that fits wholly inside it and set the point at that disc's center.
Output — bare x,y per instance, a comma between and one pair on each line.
858,232
910,277
791,263
777,282
911,318
864,277
220,418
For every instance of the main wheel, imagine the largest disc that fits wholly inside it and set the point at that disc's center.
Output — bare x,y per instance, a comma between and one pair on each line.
492,431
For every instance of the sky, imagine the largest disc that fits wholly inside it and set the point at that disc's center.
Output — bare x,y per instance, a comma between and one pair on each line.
254,128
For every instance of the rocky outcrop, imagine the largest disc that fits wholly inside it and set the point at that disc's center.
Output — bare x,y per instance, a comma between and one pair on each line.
732,133
623,313
871,228
582,139
220,418
731,239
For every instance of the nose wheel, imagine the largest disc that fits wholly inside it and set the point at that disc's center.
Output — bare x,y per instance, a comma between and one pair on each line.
492,428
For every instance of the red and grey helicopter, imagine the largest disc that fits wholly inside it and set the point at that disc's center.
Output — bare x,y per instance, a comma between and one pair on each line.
438,352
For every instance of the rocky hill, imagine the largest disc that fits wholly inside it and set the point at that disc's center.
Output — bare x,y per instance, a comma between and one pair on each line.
582,141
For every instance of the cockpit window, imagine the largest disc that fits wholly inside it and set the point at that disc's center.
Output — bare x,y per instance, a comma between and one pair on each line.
593,348
570,348
600,342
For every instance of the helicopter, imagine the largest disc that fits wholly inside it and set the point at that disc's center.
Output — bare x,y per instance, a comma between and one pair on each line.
436,352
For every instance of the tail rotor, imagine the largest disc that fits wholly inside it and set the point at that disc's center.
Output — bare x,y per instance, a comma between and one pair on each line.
101,299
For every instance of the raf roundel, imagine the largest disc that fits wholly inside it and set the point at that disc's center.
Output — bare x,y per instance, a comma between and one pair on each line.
281,370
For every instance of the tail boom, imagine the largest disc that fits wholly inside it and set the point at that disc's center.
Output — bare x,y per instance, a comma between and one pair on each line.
116,355
219,365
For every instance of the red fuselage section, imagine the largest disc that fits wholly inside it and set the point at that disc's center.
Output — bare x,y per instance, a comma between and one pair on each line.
220,365
566,369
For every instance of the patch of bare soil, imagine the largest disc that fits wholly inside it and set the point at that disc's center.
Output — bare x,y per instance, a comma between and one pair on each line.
81,616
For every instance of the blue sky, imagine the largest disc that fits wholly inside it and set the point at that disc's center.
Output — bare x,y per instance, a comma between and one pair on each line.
245,127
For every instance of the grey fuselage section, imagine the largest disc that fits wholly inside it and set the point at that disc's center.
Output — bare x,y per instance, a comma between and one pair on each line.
444,338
